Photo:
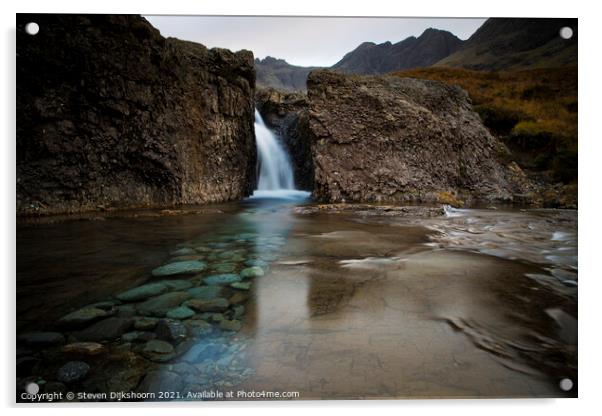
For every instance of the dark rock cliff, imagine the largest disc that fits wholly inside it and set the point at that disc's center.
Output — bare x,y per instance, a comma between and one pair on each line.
369,58
517,43
402,139
112,115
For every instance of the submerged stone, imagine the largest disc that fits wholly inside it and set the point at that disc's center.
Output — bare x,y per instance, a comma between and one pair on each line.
256,262
177,284
206,292
105,330
221,279
72,371
142,292
171,330
230,325
210,305
82,316
145,323
224,267
158,346
84,348
179,267
42,339
241,285
181,312
198,327
184,251
138,336
158,306
249,272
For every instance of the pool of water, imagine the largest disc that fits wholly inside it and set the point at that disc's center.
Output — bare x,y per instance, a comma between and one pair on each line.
473,303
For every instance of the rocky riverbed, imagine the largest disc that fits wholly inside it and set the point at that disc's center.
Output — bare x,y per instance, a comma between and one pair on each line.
331,301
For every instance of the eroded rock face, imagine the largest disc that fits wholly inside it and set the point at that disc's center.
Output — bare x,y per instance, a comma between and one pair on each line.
400,139
112,115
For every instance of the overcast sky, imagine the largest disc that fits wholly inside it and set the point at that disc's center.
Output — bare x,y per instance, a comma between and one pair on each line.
305,41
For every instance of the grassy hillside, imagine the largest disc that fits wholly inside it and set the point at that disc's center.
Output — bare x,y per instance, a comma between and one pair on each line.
533,111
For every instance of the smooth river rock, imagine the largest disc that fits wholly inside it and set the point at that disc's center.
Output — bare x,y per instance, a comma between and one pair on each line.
142,292
206,292
179,267
181,312
158,306
42,339
72,372
222,279
84,348
249,272
210,305
105,330
82,317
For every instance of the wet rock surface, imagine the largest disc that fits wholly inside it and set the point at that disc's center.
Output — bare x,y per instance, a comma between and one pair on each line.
162,122
399,139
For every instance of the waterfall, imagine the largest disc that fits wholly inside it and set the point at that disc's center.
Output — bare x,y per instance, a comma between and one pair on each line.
275,170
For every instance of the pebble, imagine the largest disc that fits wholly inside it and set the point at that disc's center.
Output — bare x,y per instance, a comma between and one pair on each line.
73,371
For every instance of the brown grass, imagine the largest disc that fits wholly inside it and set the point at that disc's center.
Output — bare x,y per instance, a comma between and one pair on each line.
534,111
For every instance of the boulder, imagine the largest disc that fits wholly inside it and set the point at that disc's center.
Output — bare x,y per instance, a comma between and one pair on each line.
162,122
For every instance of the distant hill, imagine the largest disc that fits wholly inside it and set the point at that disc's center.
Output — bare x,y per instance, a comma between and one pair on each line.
279,74
515,43
429,48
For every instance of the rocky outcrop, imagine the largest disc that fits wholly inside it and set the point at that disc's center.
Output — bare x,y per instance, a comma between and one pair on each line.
281,111
279,74
112,115
402,139
515,44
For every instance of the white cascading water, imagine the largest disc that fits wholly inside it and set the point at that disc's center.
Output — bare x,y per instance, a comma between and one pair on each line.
275,169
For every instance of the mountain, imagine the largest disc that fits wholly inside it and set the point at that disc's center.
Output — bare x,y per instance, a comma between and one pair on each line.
515,43
279,74
429,48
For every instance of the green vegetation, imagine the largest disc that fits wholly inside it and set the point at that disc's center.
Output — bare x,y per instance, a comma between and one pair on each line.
534,111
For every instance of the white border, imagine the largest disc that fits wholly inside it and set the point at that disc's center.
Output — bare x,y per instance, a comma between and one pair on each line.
589,202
